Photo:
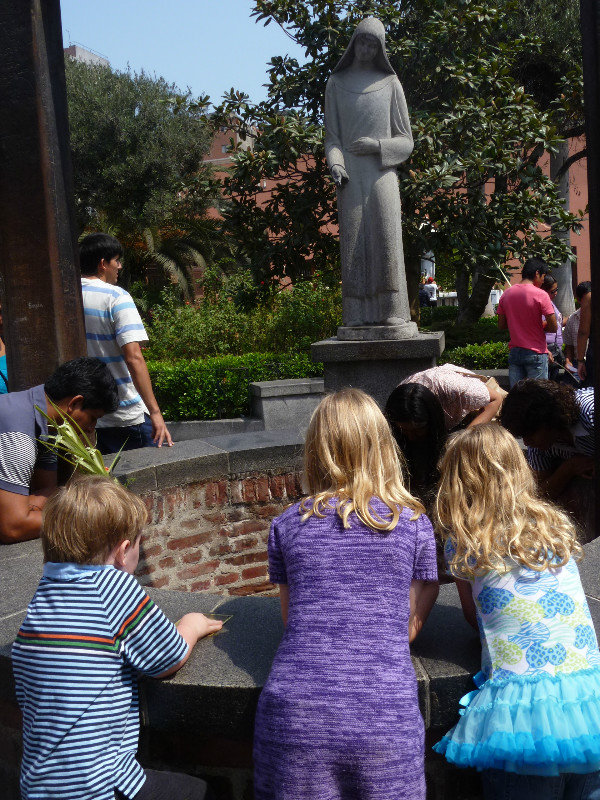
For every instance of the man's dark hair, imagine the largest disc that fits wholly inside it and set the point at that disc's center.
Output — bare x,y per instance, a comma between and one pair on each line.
94,248
531,405
583,288
88,377
533,265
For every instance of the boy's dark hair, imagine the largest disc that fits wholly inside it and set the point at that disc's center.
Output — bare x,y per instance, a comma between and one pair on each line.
88,377
94,248
534,404
533,265
549,281
583,288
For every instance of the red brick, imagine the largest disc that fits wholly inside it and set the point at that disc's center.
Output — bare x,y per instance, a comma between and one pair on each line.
238,513
268,512
247,558
246,526
249,490
190,541
244,544
262,489
159,508
215,518
277,486
189,524
223,580
254,572
196,570
166,562
149,502
152,550
200,586
160,582
236,492
255,588
215,493
219,549
195,556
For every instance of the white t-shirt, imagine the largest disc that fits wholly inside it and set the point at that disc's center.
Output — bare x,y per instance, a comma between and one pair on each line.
431,289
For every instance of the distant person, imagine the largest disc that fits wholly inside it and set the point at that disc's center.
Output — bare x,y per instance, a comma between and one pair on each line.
90,630
521,310
554,339
571,329
355,563
431,288
532,726
423,295
114,330
585,358
556,423
82,388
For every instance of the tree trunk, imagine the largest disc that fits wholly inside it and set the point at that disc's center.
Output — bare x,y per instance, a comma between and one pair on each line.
412,265
475,306
564,299
462,287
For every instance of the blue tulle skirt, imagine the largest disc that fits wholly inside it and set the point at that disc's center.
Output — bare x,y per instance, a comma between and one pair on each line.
533,725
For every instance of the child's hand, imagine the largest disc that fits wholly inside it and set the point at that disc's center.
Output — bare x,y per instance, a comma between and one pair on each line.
199,624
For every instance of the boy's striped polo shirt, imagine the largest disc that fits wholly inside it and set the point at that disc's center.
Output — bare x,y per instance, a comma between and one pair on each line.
111,321
88,631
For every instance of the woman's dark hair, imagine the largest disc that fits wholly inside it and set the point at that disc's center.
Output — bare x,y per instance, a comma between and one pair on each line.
549,281
412,402
531,405
94,248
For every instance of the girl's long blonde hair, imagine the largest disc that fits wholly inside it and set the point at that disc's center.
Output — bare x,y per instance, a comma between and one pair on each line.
489,508
351,455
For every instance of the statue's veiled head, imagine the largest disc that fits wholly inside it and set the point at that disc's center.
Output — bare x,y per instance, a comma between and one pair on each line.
368,31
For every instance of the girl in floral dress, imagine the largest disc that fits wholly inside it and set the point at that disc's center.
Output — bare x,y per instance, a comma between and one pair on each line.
533,725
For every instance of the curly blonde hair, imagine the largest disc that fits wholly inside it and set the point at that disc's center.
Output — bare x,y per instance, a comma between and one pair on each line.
350,454
489,508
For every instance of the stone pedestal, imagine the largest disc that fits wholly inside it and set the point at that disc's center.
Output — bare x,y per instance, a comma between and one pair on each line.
376,365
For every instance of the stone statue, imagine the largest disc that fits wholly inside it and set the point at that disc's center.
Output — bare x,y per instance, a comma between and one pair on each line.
367,135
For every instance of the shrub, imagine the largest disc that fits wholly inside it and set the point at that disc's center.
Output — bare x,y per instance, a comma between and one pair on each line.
490,355
216,388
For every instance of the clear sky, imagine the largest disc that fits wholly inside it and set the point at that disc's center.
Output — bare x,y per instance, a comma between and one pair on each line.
208,45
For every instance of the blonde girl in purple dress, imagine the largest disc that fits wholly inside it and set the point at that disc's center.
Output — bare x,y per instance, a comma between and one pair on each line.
338,718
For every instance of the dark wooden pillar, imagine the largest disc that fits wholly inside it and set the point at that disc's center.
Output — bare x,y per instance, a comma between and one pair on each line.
590,32
39,275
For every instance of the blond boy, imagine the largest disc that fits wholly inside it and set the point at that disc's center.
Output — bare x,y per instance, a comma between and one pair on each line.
90,629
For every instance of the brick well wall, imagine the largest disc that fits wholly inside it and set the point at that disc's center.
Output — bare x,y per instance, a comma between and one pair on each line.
212,535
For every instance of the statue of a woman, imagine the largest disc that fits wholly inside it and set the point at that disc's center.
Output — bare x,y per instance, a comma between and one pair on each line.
367,135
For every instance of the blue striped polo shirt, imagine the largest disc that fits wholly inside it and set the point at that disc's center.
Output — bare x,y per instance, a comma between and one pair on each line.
111,321
582,433
89,630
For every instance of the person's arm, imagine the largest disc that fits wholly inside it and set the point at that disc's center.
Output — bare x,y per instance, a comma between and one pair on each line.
465,594
554,483
569,355
502,323
551,325
284,599
488,413
44,481
583,334
136,364
192,627
20,516
422,595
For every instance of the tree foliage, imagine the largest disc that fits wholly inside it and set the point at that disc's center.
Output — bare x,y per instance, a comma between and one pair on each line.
473,191
137,146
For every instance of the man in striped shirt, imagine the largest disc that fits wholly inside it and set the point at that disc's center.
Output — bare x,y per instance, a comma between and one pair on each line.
89,630
114,330
556,423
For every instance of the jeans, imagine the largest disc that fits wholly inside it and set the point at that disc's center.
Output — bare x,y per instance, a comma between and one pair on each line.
170,786
523,363
501,785
110,440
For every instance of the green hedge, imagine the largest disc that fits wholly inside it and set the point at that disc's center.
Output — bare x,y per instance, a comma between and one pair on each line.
215,388
490,355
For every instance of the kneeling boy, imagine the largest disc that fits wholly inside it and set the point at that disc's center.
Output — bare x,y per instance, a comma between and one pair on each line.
89,630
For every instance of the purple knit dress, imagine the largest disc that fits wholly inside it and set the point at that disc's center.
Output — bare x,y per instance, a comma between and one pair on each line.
338,718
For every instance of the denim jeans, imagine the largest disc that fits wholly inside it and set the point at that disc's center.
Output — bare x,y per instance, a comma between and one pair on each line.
501,785
110,440
523,363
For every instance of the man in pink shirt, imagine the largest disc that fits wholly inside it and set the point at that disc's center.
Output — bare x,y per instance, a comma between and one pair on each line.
521,309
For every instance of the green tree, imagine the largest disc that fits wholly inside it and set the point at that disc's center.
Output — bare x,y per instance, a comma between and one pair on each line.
137,145
473,190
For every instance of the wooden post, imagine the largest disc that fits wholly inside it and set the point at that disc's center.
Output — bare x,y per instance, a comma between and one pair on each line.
39,275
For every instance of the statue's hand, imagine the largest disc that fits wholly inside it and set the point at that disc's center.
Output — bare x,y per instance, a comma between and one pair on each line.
339,175
364,146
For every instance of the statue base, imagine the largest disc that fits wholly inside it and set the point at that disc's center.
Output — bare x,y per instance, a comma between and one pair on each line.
376,365
373,333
